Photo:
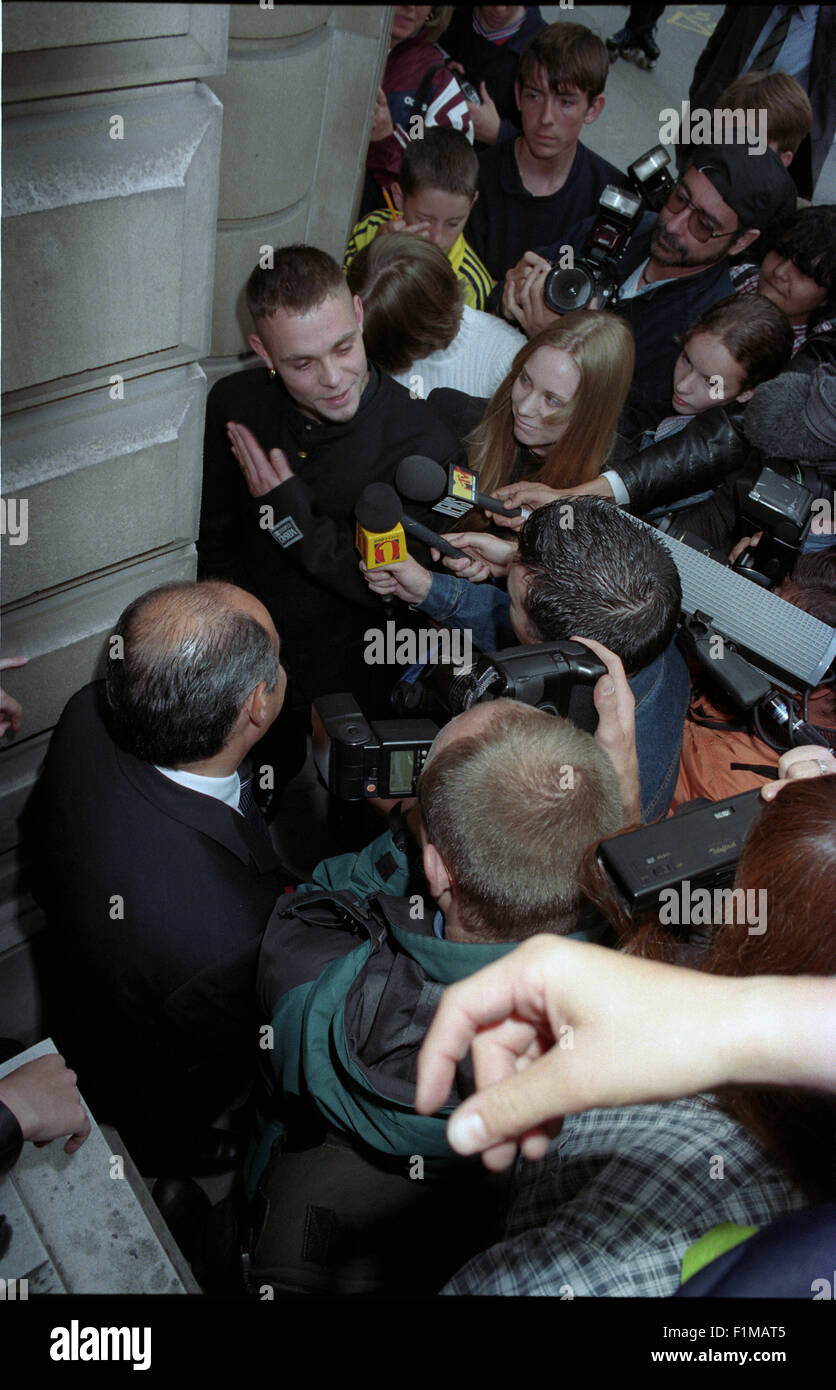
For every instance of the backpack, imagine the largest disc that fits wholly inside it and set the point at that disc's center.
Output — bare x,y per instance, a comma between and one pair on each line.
355,1192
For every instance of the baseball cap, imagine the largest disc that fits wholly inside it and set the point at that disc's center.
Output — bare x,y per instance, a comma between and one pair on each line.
757,186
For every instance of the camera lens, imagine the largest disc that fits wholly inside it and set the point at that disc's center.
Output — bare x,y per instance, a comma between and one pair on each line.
567,289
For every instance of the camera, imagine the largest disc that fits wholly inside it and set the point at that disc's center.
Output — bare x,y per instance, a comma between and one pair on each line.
650,178
697,848
557,677
593,276
360,758
780,507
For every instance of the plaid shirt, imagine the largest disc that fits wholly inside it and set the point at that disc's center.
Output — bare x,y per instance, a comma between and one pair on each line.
620,1197
745,280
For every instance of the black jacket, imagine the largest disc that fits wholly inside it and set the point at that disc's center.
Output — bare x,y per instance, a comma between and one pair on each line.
714,446
313,587
506,220
690,461
156,899
727,51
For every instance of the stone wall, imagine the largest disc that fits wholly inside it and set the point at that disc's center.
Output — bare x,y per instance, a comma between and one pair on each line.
149,151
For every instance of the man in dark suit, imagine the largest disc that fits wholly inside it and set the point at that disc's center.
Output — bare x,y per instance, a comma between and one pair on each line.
796,39
156,872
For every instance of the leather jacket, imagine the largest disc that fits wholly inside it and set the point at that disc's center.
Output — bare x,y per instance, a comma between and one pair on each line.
691,461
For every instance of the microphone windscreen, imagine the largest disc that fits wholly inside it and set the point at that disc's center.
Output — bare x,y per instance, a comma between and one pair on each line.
378,508
420,479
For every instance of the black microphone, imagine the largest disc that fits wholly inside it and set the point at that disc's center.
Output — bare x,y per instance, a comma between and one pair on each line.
456,489
385,496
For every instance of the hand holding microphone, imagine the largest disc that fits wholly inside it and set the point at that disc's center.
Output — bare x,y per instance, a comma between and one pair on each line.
487,556
386,565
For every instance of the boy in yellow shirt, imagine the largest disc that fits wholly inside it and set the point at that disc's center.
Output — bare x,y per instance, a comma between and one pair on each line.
433,197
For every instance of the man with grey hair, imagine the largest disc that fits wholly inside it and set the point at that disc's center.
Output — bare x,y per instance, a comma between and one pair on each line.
155,872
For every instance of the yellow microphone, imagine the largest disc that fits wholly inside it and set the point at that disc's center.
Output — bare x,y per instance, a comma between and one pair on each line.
379,536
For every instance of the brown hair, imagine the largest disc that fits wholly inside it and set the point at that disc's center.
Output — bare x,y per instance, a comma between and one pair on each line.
789,115
511,810
571,55
754,332
443,158
790,853
300,278
412,300
602,346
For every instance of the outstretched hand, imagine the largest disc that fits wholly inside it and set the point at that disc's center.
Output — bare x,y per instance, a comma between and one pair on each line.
261,473
407,580
43,1097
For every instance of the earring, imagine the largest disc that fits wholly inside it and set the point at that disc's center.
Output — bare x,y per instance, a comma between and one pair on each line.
272,373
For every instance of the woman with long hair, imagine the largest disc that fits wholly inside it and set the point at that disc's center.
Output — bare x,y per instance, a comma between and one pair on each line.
553,418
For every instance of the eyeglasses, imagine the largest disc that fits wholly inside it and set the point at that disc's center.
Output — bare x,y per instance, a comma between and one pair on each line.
698,224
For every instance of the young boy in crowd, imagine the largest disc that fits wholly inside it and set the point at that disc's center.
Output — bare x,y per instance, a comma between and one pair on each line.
433,198
535,188
789,115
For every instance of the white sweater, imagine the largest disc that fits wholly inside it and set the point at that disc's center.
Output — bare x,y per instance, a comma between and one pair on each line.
476,361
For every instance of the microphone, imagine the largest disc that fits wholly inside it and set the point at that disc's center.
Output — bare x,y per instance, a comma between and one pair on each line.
386,504
453,491
379,535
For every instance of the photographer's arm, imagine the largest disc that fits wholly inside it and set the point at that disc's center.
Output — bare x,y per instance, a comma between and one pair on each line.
691,461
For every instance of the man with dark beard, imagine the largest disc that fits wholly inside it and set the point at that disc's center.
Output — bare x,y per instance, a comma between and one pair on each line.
675,265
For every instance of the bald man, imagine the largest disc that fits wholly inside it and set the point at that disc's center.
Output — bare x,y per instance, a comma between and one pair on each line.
156,873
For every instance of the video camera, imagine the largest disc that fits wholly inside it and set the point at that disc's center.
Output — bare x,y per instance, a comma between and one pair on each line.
557,677
594,274
385,757
698,847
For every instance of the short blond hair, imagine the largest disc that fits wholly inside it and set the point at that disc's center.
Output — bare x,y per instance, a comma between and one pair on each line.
512,810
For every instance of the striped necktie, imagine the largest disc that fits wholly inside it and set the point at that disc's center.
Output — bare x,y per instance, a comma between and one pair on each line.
769,51
248,806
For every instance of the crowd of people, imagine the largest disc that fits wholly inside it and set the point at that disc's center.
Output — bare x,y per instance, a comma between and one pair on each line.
383,1046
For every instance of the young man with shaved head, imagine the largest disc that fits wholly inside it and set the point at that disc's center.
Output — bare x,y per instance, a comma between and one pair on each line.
288,450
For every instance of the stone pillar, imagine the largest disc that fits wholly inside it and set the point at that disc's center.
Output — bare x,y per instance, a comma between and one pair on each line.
118,281
111,155
298,97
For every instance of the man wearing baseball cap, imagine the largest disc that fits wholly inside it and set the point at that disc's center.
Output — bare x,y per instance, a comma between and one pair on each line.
676,264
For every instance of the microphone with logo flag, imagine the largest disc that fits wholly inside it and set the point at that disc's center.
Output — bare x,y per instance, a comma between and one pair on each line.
453,491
